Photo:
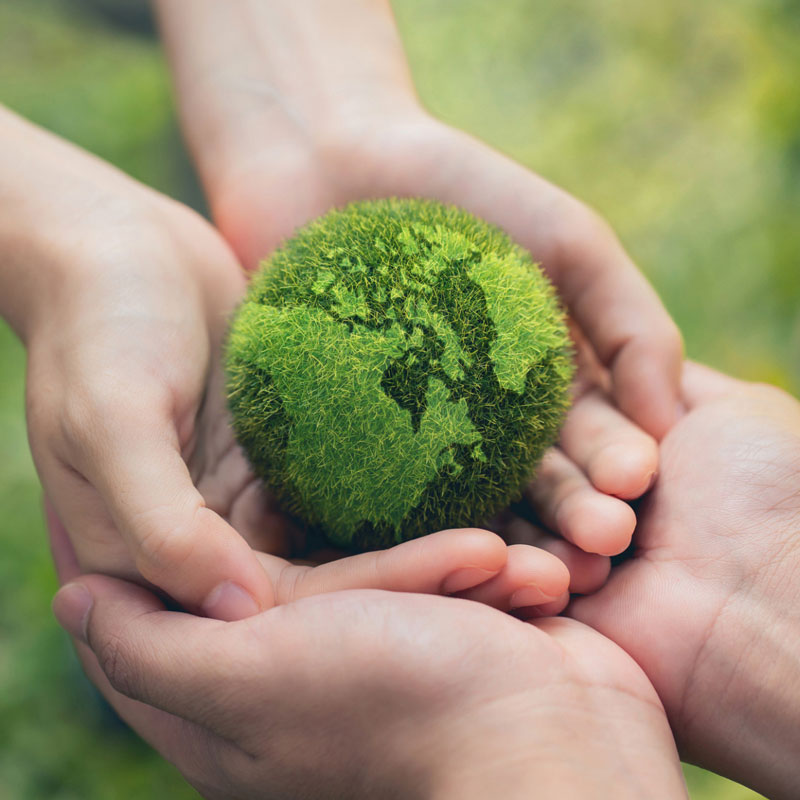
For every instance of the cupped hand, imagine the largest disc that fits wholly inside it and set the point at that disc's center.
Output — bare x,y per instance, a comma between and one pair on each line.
608,453
374,694
708,603
124,316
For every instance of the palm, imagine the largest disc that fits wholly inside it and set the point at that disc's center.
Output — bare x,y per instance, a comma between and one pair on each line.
728,472
381,662
223,476
414,157
217,465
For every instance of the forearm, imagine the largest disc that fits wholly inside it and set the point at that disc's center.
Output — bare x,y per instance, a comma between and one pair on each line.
24,155
48,191
251,73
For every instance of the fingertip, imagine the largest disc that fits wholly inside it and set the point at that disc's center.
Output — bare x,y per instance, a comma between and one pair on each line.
476,546
549,571
206,566
72,605
588,571
466,578
625,469
531,576
229,602
596,523
551,609
647,405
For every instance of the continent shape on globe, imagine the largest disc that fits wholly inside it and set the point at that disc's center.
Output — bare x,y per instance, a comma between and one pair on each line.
374,367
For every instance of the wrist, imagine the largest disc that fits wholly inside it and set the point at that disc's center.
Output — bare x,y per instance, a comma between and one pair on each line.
748,675
262,195
283,77
55,201
562,741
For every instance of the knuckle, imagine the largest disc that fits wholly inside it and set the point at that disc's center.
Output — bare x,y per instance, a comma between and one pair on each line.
115,660
579,235
584,227
290,581
163,546
671,338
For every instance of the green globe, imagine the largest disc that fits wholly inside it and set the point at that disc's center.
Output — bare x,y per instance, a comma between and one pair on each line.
396,368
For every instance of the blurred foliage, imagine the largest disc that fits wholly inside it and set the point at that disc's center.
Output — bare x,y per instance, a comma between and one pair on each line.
680,122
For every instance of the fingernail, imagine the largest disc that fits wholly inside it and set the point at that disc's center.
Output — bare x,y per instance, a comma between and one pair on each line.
530,596
651,480
71,606
465,578
229,602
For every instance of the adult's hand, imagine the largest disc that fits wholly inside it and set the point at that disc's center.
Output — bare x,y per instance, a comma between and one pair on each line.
709,604
290,109
122,298
374,694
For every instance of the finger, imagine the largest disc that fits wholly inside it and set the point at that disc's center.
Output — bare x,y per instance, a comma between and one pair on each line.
619,457
610,299
176,739
256,516
701,384
445,562
551,609
166,659
133,460
589,373
571,506
588,572
170,735
530,577
64,559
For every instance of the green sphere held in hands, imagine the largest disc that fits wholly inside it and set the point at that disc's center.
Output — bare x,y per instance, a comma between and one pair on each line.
397,367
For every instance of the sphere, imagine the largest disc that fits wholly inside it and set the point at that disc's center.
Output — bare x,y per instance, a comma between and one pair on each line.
396,368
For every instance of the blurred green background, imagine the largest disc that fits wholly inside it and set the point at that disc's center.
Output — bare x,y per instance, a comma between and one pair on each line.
679,121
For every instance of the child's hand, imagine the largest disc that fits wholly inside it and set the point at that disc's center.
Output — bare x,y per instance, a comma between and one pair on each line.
124,317
292,110
130,434
580,490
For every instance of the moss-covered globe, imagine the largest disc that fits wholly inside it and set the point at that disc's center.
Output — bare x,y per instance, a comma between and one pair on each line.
396,368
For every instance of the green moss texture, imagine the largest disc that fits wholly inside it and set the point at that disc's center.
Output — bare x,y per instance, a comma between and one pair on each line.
397,367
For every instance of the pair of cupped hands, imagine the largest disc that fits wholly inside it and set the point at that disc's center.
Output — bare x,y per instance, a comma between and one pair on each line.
373,674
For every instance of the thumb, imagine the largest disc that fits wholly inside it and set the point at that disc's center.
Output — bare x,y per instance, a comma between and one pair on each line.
445,562
175,541
179,740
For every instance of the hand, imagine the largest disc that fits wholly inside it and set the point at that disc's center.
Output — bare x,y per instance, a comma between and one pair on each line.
126,410
374,694
290,110
708,604
121,297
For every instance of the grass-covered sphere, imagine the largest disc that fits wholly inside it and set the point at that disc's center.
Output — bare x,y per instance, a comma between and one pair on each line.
397,367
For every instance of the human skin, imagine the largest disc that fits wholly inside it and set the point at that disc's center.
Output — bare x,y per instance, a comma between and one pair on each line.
708,605
290,109
122,297
373,694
